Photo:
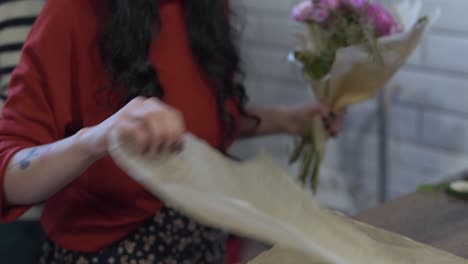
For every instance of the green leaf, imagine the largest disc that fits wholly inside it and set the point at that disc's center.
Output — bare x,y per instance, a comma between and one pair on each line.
433,187
316,66
309,157
371,42
423,19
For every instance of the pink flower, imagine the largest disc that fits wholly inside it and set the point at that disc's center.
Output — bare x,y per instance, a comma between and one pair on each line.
383,21
303,11
330,4
306,11
320,15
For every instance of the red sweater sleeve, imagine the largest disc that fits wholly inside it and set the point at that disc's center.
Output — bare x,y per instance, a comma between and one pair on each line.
37,109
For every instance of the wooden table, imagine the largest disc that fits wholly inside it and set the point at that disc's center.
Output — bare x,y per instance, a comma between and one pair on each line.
434,219
431,218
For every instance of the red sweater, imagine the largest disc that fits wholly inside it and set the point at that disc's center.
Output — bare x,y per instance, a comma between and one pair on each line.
56,89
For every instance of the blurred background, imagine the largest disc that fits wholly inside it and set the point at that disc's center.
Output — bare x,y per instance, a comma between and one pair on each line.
426,110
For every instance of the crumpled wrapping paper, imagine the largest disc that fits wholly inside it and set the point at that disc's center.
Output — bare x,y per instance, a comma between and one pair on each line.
260,200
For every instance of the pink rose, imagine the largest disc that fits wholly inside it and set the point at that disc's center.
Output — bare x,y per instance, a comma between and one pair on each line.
383,21
303,11
306,11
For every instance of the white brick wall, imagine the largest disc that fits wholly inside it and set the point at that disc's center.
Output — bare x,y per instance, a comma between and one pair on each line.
428,117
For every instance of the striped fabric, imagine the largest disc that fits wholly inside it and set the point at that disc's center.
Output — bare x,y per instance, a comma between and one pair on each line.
16,19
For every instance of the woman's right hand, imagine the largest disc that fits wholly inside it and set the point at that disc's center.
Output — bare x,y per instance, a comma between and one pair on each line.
152,126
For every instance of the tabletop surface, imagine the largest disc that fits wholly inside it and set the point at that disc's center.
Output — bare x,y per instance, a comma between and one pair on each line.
432,218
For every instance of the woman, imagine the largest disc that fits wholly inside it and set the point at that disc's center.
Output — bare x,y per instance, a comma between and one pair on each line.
146,69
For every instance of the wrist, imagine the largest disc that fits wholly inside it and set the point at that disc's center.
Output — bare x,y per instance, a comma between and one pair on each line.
287,119
84,144
296,119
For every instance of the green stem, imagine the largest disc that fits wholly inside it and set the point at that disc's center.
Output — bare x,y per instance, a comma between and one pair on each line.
298,151
315,174
307,164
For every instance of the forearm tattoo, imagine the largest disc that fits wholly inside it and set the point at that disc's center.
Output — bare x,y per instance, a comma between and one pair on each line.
25,162
31,156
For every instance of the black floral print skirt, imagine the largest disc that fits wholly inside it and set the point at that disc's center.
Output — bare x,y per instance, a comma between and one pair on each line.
167,238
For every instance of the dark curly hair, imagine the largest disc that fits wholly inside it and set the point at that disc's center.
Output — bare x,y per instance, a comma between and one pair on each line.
133,25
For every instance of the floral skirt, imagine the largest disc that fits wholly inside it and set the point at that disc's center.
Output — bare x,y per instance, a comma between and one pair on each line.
167,238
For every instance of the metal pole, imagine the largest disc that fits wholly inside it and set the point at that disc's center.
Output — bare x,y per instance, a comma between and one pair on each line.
382,181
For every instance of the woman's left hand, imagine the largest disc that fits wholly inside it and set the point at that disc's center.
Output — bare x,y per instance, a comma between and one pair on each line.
301,115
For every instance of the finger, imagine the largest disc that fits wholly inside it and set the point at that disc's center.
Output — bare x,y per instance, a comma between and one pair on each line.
152,120
174,127
178,147
160,149
165,125
175,133
163,134
148,108
327,126
336,128
144,113
326,123
157,140
322,109
179,128
331,128
136,134
148,119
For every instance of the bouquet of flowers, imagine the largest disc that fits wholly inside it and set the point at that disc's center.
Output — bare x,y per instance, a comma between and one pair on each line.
350,50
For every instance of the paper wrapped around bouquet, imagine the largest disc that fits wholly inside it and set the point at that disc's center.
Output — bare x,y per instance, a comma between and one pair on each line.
355,76
260,200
